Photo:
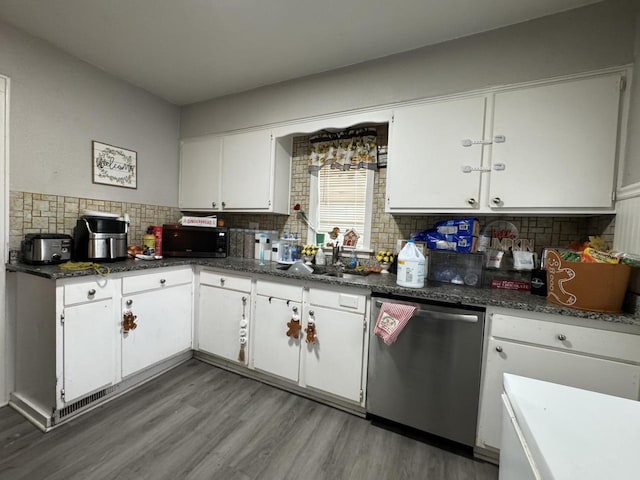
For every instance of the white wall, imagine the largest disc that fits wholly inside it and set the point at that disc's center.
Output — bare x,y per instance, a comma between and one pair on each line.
589,38
59,104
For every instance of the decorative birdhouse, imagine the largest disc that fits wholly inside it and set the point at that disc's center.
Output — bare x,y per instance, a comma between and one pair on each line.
351,238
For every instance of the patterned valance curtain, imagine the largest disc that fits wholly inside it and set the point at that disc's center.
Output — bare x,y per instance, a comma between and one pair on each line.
348,149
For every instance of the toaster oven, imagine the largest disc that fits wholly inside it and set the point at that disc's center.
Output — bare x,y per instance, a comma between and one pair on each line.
46,248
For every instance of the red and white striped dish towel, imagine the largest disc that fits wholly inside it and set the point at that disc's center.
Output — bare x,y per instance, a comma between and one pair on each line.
393,317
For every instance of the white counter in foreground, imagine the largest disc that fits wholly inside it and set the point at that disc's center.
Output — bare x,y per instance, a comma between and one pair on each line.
555,432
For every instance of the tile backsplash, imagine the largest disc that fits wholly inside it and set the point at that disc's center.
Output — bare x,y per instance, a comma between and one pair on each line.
40,213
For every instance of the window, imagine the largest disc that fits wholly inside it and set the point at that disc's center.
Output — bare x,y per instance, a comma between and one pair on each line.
344,199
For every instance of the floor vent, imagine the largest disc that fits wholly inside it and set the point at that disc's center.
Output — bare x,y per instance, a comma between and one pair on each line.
85,402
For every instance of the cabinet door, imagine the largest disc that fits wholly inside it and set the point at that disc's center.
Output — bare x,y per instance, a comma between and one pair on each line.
163,327
273,351
333,364
560,145
589,373
220,314
426,156
200,173
89,335
247,171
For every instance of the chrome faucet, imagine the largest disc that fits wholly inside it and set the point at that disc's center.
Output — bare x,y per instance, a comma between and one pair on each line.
335,257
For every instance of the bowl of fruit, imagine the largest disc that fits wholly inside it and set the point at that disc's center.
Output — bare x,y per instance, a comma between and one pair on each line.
385,259
308,253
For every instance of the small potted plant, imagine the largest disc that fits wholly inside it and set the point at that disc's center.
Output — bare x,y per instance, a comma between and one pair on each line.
308,253
385,259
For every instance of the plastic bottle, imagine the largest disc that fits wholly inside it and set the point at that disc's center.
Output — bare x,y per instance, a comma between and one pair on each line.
320,258
149,242
410,266
353,259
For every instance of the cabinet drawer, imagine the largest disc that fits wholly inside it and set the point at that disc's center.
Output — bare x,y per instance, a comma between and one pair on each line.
622,346
279,290
232,282
88,291
338,300
158,279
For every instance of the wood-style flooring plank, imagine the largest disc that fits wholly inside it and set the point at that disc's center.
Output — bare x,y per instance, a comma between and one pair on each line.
198,422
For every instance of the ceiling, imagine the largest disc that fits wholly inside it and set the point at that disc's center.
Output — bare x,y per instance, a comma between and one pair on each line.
187,51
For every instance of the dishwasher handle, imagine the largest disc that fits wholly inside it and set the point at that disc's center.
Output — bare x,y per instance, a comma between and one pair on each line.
450,317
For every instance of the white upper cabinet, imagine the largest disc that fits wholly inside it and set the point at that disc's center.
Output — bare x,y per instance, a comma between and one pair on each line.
200,173
550,147
426,155
247,171
560,145
240,172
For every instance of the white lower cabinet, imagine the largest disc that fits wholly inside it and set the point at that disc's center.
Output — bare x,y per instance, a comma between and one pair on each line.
331,363
597,360
71,350
162,305
276,307
224,304
334,363
88,334
163,319
66,343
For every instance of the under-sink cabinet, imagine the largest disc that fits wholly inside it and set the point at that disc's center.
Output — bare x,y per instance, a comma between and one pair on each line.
278,332
548,348
224,314
306,334
512,149
334,363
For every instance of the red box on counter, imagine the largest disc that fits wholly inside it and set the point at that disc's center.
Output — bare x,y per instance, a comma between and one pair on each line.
157,232
510,284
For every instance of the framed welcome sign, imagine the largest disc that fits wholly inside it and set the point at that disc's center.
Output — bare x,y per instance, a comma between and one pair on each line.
114,165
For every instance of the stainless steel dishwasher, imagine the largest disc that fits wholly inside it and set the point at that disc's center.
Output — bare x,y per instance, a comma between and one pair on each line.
429,378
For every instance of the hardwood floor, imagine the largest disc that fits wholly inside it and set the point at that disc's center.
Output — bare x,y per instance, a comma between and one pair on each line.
201,422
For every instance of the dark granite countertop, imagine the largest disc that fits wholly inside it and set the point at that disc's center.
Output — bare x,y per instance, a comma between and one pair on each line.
377,284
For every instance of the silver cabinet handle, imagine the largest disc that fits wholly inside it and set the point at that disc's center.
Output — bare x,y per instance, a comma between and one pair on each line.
562,337
472,201
129,303
222,282
92,292
295,309
499,349
311,314
496,200
224,204
213,204
162,281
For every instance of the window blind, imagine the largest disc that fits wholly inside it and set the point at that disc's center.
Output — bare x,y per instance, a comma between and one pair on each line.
343,200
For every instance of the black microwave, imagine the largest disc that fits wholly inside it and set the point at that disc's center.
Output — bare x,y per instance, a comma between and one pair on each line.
185,241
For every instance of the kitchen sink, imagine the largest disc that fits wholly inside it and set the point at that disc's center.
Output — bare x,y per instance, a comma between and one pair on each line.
337,271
